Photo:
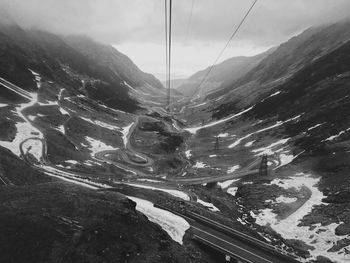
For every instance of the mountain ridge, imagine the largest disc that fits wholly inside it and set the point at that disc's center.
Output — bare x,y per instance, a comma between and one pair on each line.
71,61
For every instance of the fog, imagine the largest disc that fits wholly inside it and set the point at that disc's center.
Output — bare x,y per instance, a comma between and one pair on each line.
133,23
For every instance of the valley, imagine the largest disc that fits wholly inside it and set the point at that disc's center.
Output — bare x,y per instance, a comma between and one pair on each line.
91,155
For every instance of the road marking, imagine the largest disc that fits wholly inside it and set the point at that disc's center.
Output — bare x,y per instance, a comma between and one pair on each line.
266,260
237,232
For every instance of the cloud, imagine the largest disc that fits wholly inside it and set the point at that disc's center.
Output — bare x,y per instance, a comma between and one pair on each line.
118,21
136,27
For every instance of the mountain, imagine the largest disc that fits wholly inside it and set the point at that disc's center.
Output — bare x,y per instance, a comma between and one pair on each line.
282,63
63,100
108,76
292,108
228,70
144,86
115,61
319,92
94,169
175,83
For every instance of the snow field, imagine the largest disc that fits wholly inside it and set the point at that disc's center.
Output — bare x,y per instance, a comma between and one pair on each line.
174,225
25,129
321,238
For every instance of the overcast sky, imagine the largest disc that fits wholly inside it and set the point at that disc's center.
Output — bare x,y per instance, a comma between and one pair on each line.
136,27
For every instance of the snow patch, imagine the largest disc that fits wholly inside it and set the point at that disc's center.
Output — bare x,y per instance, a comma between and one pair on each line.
227,183
315,126
174,225
210,206
223,135
37,78
172,192
269,149
282,199
63,111
61,129
25,129
31,117
194,130
322,238
286,158
71,161
101,124
200,165
230,170
125,132
232,191
274,94
98,146
333,137
249,144
91,163
277,124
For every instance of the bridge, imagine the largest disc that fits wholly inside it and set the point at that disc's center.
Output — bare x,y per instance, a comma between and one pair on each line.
231,242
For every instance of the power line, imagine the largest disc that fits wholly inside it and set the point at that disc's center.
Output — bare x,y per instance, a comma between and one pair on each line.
189,21
228,42
169,60
168,18
166,46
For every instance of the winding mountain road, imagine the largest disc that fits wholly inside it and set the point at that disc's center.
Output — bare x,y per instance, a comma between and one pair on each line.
204,230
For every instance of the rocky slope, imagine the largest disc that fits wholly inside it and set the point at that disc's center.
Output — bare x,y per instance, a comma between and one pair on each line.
293,107
97,70
59,107
226,71
284,62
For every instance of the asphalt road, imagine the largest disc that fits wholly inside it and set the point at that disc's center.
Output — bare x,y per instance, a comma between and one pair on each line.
212,179
230,246
232,242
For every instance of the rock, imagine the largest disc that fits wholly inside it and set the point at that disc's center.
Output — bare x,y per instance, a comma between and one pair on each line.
339,245
300,246
342,229
322,259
